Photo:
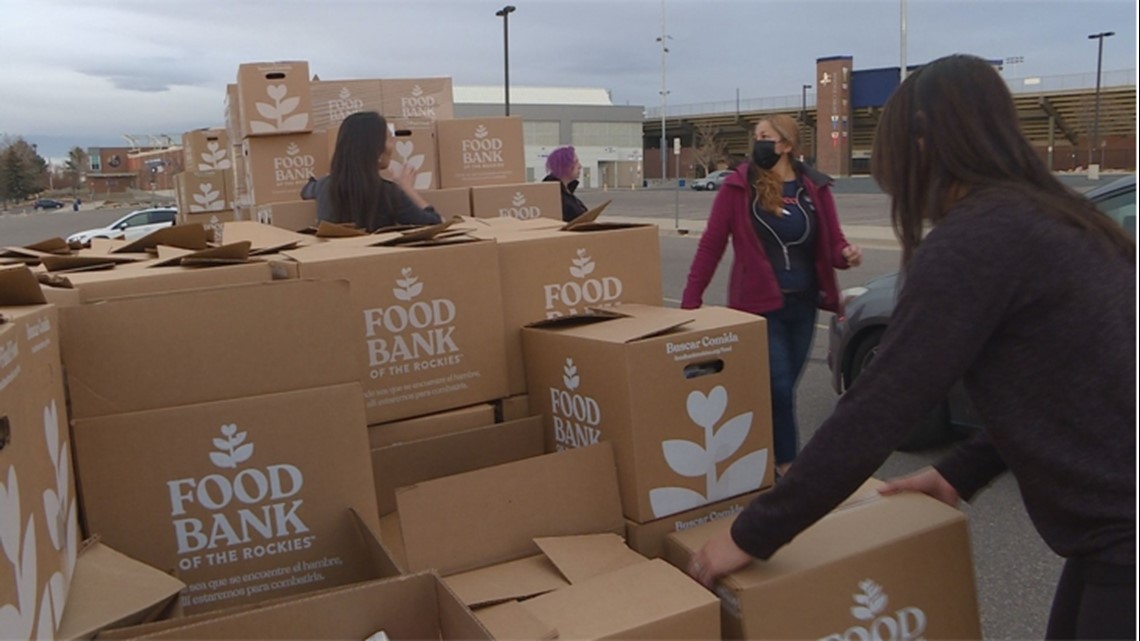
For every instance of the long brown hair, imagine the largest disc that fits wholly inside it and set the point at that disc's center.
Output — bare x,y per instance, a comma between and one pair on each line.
951,129
357,192
769,188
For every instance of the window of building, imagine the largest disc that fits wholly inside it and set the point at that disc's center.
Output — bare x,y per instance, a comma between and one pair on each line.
541,133
605,134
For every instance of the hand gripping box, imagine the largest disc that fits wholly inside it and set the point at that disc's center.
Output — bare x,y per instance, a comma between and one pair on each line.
876,567
683,395
38,509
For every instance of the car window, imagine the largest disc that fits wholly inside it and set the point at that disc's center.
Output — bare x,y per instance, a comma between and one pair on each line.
162,216
1121,207
136,220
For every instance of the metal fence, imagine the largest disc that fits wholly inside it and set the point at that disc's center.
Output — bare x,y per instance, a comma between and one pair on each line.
1027,85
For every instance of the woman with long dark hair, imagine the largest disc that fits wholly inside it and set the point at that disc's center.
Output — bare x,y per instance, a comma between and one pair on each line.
354,192
786,244
1026,293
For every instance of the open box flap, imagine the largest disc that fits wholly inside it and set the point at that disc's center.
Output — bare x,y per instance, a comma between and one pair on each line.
517,579
19,286
620,324
583,557
263,239
185,236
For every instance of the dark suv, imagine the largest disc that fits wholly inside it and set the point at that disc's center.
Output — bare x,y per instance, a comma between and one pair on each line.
47,203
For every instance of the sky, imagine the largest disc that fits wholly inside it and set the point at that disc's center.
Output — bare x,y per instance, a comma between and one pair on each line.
84,72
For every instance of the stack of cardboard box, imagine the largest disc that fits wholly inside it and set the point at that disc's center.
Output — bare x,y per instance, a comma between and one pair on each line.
204,191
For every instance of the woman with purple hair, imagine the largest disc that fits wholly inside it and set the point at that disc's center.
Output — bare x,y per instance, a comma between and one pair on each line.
562,166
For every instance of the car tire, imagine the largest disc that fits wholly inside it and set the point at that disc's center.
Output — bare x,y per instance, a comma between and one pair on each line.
711,187
933,430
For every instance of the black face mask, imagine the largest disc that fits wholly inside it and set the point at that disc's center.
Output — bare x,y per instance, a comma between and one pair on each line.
764,154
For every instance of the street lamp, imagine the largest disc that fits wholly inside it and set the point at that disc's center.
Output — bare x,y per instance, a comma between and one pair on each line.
664,50
1099,37
803,104
503,13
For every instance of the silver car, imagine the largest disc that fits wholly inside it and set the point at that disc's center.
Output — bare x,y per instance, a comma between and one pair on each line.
865,311
711,182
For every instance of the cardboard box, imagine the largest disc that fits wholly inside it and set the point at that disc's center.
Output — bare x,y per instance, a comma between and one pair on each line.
335,100
415,148
241,182
648,539
543,527
237,496
203,191
277,167
206,150
683,395
480,151
232,115
877,567
132,280
556,274
449,202
37,492
417,606
294,215
112,590
429,325
274,98
525,201
421,101
512,407
192,347
437,424
213,221
410,462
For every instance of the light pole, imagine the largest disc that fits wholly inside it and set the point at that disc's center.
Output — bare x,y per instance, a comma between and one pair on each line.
1099,37
902,41
803,110
503,13
664,50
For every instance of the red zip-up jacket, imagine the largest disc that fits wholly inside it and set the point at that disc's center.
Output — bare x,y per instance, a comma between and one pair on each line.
752,285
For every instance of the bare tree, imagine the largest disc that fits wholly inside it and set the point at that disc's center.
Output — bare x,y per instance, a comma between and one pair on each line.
708,150
76,165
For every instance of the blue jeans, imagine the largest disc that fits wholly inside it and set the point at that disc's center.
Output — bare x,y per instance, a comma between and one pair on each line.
790,332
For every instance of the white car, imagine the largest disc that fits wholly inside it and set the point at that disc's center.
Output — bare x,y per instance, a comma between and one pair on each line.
712,181
134,225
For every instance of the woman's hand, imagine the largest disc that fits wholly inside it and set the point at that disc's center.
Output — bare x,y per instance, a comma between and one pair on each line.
853,255
406,178
927,481
719,556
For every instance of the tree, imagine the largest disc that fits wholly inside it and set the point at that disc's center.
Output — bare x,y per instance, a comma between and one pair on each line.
76,164
22,170
708,150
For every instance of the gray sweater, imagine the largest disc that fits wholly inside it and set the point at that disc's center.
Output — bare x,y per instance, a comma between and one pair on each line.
406,212
1039,322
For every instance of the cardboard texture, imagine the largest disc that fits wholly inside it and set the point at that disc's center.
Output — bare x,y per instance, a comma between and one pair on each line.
277,167
213,222
38,509
510,621
335,100
236,496
512,407
263,239
525,201
112,590
204,191
648,539
892,567
292,215
438,424
184,236
231,113
497,512
417,606
428,322
274,98
449,202
91,287
415,148
419,101
207,150
683,395
551,274
408,463
480,151
226,342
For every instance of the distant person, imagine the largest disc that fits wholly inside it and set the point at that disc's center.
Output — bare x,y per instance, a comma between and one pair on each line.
562,167
354,192
75,205
786,245
1026,293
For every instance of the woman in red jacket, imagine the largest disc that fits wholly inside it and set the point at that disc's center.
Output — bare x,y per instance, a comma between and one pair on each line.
786,244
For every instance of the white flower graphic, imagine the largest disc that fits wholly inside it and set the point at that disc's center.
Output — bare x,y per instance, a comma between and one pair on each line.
691,459
207,199
481,131
410,287
213,158
232,448
570,375
62,520
277,112
17,620
582,266
519,200
406,156
871,602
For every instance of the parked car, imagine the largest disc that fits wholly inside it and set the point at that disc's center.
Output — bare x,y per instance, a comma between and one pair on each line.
711,182
865,312
134,225
47,203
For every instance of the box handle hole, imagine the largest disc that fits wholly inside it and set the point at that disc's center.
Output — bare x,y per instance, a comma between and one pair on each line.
704,368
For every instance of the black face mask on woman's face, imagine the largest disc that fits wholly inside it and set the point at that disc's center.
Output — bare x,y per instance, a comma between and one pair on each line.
764,154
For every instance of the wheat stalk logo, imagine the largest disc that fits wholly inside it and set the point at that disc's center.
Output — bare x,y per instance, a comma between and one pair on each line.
871,601
292,149
519,200
570,375
692,459
481,132
409,286
345,94
232,449
278,112
582,266
416,91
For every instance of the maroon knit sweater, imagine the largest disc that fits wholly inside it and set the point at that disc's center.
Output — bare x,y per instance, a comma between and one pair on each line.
1039,322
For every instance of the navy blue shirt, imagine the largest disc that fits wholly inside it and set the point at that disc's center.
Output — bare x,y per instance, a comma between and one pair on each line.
788,239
